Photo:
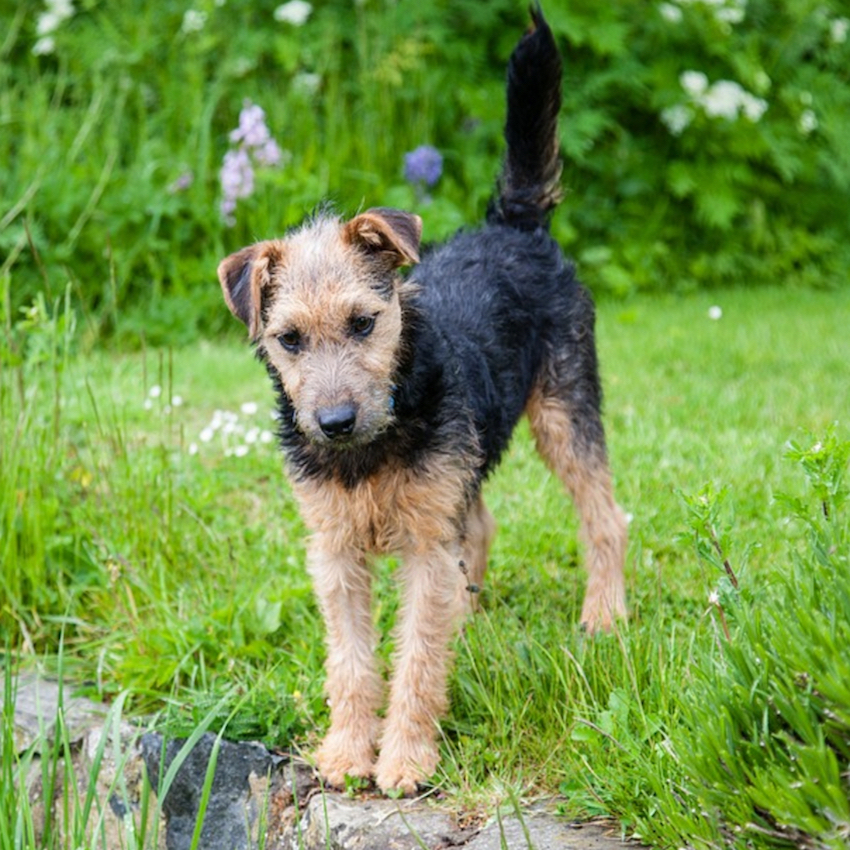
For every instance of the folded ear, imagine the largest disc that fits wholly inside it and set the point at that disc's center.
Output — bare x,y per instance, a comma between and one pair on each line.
391,235
243,277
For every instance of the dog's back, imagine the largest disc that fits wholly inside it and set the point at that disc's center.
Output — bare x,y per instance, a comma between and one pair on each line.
499,298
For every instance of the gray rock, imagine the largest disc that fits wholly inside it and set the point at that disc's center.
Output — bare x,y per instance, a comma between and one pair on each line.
236,800
257,798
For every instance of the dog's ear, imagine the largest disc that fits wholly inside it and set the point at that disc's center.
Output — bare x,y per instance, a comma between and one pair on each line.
243,276
391,235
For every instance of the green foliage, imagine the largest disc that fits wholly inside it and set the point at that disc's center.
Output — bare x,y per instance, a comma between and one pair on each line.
745,179
766,740
113,140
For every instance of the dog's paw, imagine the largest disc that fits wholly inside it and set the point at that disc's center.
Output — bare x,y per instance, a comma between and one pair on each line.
602,608
402,766
342,755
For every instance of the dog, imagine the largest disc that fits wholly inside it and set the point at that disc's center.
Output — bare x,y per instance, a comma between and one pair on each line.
398,396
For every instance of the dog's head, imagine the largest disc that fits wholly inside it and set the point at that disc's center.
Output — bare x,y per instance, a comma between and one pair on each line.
324,306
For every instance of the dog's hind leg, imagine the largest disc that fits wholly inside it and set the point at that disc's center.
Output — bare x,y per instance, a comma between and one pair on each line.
568,431
355,689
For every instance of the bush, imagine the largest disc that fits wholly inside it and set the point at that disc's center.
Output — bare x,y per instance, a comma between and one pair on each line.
703,141
765,748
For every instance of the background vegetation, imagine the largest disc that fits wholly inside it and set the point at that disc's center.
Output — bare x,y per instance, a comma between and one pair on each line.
149,545
704,142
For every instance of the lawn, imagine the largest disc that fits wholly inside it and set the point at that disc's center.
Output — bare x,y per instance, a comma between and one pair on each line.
147,527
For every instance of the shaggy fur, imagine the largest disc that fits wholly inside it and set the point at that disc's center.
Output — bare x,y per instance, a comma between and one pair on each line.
399,395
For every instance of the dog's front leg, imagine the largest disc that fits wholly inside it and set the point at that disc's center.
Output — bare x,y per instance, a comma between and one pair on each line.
342,583
418,692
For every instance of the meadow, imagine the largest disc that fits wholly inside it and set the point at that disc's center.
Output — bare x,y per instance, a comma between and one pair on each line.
148,529
151,554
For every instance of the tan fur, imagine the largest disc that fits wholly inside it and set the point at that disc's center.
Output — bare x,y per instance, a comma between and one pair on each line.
587,479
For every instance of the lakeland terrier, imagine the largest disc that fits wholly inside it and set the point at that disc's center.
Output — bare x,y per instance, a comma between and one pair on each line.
398,395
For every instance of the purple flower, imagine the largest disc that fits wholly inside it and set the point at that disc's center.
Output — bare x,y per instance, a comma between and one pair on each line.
269,153
252,130
423,165
237,174
253,145
182,183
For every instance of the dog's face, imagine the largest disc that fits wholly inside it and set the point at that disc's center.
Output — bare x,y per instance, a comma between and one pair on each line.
324,306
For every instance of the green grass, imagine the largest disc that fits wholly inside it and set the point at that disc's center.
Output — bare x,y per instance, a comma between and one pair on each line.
176,580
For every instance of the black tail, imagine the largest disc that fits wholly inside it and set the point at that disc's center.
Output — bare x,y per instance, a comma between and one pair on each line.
529,187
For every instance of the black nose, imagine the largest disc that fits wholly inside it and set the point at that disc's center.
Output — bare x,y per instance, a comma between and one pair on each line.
337,421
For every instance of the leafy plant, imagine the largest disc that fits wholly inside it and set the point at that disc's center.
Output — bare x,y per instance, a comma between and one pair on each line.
766,742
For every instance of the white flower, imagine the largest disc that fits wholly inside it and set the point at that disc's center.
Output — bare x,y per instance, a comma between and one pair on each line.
266,436
62,8
715,313
252,435
177,401
240,451
155,391
693,82
730,15
249,408
206,435
294,12
47,23
670,13
723,100
753,107
44,45
808,122
193,448
838,30
713,598
676,118
148,405
306,83
193,21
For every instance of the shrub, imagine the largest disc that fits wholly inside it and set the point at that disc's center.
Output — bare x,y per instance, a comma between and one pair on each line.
766,743
703,141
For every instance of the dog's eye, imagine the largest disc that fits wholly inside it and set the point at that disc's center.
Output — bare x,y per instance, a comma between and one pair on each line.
290,340
362,325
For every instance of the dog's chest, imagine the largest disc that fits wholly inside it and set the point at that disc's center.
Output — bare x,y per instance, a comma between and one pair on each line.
398,509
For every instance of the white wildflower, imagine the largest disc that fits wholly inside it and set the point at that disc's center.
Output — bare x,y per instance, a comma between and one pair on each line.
206,435
723,100
838,30
45,45
676,118
713,598
177,401
753,107
155,391
249,408
808,122
730,15
294,12
693,82
252,435
193,448
306,83
266,436
715,313
193,21
240,451
670,12
48,22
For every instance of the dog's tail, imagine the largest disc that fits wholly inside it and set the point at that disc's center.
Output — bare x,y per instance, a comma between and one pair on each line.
529,187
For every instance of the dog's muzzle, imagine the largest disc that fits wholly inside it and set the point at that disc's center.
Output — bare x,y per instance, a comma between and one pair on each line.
337,422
